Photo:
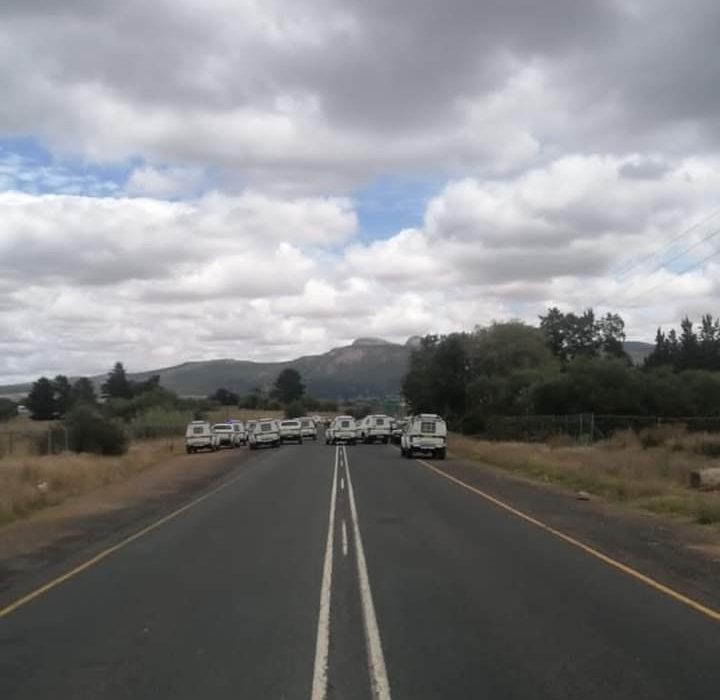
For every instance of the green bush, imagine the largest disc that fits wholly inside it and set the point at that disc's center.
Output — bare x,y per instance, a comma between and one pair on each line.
89,431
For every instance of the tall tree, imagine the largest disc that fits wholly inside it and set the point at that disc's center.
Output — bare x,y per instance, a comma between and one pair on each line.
289,385
117,385
611,331
82,392
225,397
41,400
62,389
8,409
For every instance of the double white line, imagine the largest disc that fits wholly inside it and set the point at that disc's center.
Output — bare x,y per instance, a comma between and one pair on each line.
376,661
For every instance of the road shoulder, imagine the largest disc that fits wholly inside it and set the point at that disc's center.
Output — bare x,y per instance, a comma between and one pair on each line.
674,553
57,538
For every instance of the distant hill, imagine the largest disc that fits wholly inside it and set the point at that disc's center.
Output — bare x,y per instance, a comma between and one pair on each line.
638,350
369,367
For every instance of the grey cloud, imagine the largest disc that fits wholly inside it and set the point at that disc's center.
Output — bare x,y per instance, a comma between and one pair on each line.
644,169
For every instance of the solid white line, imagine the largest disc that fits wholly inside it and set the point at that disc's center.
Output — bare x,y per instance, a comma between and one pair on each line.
344,539
322,644
376,660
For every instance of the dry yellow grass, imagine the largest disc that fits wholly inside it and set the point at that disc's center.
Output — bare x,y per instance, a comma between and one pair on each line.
28,483
654,479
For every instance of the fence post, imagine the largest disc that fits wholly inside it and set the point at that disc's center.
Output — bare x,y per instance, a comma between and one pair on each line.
49,448
10,443
592,428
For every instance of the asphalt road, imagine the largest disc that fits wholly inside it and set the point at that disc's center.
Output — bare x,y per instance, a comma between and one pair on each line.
419,589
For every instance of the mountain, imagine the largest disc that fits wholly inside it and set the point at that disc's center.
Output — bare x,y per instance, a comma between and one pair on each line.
638,350
369,367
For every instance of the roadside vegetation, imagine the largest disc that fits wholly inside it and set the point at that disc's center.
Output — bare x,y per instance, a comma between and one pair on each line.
650,470
524,384
570,364
30,482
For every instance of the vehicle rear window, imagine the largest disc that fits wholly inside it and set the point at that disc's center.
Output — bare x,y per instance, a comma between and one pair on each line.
427,426
265,427
345,424
198,430
305,423
379,421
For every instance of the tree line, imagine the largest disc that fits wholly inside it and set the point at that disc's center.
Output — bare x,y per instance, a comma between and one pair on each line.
569,363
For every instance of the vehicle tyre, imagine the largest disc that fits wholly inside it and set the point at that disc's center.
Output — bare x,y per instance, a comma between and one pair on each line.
188,450
386,440
441,453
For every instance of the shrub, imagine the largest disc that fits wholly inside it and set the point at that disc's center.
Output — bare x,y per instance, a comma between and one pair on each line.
295,409
662,435
560,440
708,447
88,431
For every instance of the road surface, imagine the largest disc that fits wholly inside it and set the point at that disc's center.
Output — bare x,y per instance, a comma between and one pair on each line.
319,572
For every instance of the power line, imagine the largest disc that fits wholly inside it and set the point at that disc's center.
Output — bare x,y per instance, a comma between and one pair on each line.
665,263
682,272
623,271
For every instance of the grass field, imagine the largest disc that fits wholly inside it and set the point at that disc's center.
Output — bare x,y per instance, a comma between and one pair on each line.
31,482
648,472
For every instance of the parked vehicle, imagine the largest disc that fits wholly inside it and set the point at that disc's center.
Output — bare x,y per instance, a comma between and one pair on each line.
425,433
397,430
266,433
376,428
199,436
240,433
343,429
225,434
290,431
308,428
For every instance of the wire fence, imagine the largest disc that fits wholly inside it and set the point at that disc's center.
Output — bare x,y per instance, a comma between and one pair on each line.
586,427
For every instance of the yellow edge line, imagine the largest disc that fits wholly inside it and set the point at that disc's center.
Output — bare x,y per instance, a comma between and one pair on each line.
709,612
110,550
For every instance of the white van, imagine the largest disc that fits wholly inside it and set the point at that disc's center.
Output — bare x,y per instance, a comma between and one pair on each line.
199,436
308,428
343,429
425,433
240,433
290,430
377,427
225,434
266,433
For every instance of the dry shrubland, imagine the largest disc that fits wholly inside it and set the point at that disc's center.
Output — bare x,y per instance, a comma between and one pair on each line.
31,482
650,469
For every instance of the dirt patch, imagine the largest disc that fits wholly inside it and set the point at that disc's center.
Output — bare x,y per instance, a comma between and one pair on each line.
57,537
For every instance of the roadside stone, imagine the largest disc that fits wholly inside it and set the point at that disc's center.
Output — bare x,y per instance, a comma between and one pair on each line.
583,496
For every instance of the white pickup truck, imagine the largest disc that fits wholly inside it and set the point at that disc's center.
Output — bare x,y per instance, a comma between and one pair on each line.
266,433
376,428
425,433
199,436
290,430
342,429
225,434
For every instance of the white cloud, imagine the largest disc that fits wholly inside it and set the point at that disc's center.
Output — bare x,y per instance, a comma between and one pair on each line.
164,182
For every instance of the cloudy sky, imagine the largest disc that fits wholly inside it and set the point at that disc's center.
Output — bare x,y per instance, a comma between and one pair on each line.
189,179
